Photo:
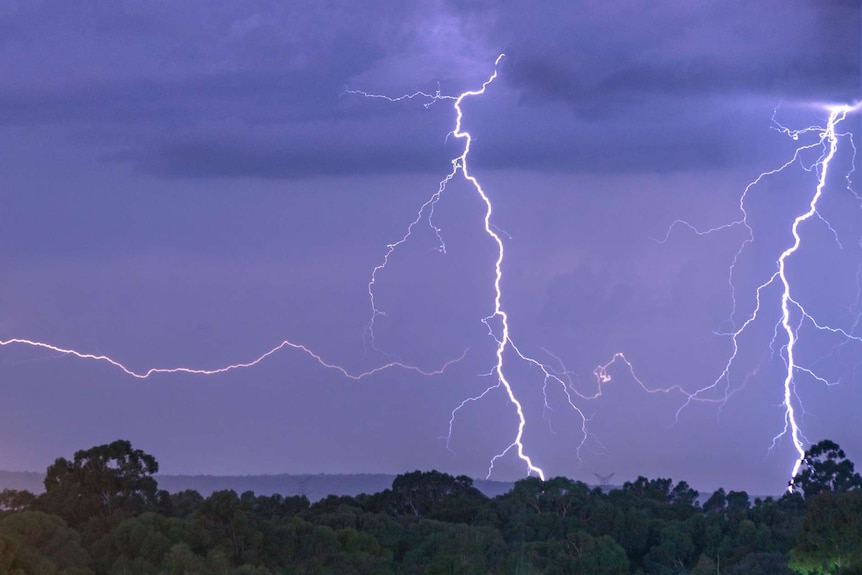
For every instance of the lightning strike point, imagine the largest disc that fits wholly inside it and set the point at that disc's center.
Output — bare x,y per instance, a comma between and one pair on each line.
786,333
500,332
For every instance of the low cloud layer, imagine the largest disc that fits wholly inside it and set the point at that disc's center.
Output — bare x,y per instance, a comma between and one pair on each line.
198,91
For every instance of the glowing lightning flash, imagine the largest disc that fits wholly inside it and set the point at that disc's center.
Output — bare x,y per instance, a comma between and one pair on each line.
198,371
503,340
497,322
501,335
827,141
426,211
285,344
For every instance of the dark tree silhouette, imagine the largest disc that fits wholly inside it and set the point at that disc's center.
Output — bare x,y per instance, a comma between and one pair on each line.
430,494
826,468
100,482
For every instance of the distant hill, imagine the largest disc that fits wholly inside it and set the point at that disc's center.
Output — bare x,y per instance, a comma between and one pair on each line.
312,486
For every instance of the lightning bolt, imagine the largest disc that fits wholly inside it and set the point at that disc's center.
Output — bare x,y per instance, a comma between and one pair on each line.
501,334
792,313
287,344
497,322
234,366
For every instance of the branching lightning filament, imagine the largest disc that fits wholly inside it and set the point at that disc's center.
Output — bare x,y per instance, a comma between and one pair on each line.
497,321
791,312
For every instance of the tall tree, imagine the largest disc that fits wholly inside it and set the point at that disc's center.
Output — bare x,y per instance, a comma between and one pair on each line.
111,480
826,468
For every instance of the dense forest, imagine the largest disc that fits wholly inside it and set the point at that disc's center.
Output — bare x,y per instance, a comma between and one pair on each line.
103,513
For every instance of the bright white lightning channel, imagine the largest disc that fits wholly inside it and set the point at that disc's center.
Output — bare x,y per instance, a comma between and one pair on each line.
426,212
502,334
827,141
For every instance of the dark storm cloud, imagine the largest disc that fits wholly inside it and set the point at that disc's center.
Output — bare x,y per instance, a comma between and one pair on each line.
192,100
308,158
683,83
255,89
171,56
153,84
802,50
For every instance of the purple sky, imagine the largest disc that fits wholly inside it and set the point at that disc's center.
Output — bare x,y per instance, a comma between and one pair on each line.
189,184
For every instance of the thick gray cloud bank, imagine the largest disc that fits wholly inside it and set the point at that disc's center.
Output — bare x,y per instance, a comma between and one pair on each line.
190,183
256,89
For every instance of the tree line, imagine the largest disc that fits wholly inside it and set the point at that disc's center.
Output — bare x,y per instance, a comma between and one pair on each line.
102,513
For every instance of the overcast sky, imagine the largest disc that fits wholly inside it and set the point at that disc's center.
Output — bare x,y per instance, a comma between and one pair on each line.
189,183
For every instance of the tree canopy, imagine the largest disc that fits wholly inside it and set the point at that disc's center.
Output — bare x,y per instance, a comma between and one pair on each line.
105,481
826,468
102,514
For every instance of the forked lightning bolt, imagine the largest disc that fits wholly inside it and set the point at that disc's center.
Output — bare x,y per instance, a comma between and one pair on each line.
426,211
284,345
497,321
792,314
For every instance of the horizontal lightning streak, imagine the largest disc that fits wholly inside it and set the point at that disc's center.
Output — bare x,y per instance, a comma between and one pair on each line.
286,344
196,371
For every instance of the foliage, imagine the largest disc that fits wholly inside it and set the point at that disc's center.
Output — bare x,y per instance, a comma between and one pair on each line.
106,482
102,514
831,537
826,468
16,500
37,543
431,494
